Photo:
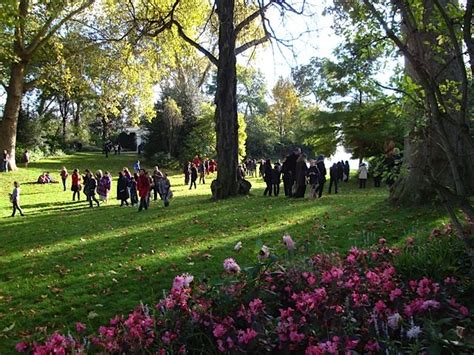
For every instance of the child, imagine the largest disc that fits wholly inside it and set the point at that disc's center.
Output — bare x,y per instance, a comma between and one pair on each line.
194,176
143,187
15,198
165,190
276,178
314,177
133,190
26,158
136,166
75,185
64,176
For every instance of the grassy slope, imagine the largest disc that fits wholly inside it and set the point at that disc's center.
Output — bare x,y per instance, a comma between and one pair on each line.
64,260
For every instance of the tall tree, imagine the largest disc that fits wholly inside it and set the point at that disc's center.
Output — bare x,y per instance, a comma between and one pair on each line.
431,36
232,24
29,26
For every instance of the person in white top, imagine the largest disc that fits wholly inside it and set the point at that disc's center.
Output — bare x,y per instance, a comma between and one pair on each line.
15,198
362,176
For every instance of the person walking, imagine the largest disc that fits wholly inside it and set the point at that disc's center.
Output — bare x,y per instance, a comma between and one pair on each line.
333,177
300,176
347,171
90,189
157,177
122,189
5,161
143,187
362,176
75,185
136,166
165,190
202,173
133,189
187,173
276,178
64,174
322,174
15,199
194,176
313,177
104,184
26,158
267,177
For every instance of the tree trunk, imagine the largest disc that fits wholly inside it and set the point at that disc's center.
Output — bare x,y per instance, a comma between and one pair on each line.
445,154
9,123
226,183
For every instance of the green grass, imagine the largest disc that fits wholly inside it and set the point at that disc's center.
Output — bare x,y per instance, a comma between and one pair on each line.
63,260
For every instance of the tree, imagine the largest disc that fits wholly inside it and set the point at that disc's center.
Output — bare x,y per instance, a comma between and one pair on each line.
232,26
173,120
28,27
283,112
431,37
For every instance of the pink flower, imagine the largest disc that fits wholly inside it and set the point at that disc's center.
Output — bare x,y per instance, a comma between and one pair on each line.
464,311
382,241
450,281
289,243
80,327
296,337
21,347
395,294
430,304
380,306
219,330
182,281
351,259
231,266
245,337
256,306
372,346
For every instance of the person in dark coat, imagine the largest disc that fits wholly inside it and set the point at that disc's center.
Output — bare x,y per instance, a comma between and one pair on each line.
300,176
313,177
122,189
333,177
90,186
267,177
340,171
276,179
194,176
291,168
187,172
322,174
287,178
347,171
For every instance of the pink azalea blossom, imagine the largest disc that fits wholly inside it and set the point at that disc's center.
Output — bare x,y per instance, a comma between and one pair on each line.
80,327
289,243
182,281
245,337
256,306
21,347
231,266
394,294
219,330
464,311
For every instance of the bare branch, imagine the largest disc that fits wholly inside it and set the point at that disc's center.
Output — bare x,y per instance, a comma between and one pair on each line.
252,17
251,44
193,43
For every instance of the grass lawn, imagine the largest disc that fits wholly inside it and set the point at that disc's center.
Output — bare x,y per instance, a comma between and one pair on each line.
64,262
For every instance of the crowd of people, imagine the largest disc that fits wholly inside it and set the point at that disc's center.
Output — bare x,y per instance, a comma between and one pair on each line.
297,173
198,168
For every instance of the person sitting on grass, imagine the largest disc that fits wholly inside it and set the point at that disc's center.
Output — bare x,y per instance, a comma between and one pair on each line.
75,184
15,199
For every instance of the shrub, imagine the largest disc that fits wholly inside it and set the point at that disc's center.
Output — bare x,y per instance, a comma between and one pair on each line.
323,304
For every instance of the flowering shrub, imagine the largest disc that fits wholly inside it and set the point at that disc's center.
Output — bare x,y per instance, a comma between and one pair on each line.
327,304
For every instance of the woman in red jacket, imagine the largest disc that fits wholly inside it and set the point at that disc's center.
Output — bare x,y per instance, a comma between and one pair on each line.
143,187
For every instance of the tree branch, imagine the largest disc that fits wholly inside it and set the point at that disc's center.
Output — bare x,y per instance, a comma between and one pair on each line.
467,34
410,96
251,44
44,35
251,17
193,43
